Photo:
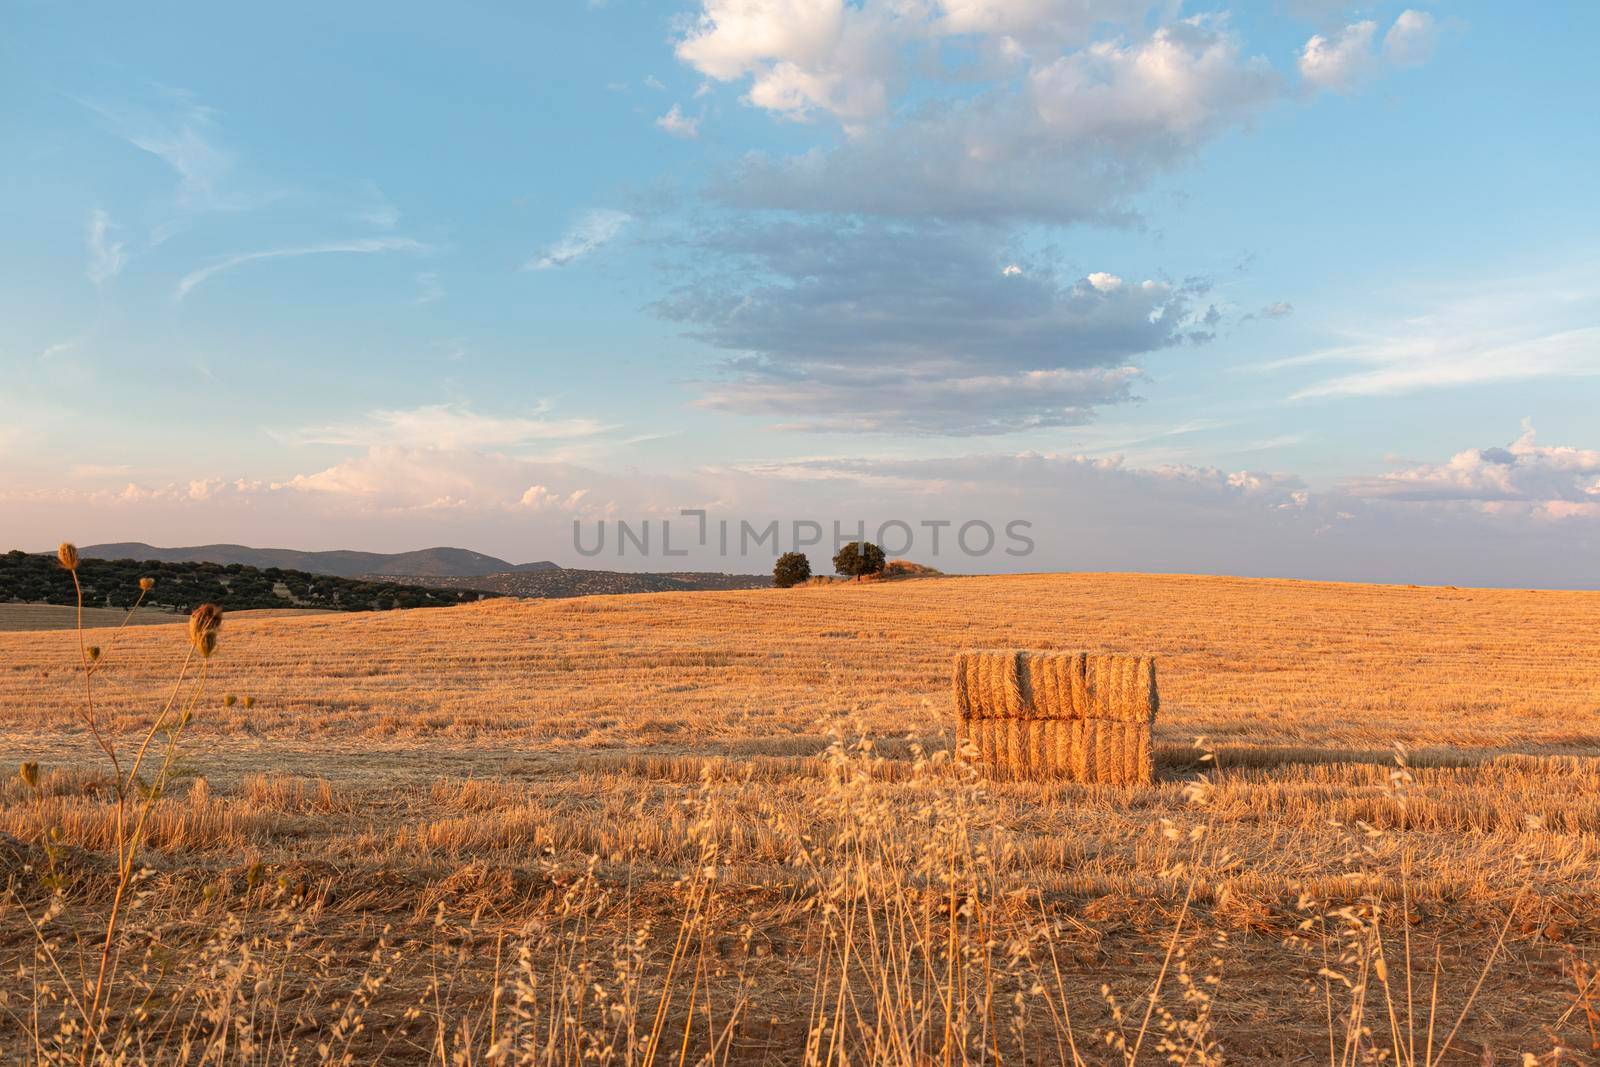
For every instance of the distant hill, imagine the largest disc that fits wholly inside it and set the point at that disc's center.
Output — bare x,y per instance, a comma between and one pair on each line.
39,579
568,582
430,562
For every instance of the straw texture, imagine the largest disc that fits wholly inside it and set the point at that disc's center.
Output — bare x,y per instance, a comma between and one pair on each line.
1074,715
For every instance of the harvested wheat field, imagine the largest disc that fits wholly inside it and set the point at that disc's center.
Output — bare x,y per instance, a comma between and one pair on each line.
58,617
723,827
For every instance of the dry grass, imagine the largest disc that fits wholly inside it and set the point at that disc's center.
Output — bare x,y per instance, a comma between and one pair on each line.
474,805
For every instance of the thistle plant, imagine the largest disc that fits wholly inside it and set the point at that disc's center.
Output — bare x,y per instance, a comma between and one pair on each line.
134,800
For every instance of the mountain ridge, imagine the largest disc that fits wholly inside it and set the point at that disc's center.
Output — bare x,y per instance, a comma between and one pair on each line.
438,562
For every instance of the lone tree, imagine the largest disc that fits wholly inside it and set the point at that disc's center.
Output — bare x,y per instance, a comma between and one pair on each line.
859,558
793,568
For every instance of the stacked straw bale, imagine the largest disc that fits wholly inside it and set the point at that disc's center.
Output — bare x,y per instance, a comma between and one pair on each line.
1081,716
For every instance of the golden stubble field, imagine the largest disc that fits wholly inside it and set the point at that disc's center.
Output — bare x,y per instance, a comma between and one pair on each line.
644,829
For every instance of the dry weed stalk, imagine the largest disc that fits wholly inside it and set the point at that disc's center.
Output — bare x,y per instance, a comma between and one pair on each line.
136,798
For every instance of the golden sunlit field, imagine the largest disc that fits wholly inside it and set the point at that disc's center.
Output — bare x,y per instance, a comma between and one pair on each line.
723,827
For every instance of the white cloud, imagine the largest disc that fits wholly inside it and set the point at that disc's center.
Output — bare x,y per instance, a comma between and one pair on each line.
592,231
106,257
1558,482
1428,360
941,401
1062,138
182,133
1410,40
395,479
1497,330
678,124
542,498
850,60
189,282
1346,60
799,54
444,426
1341,62
1524,515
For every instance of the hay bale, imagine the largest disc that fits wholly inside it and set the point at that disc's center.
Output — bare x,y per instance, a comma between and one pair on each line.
1055,685
1082,716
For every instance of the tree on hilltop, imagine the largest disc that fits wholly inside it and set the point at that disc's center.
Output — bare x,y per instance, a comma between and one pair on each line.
792,568
858,559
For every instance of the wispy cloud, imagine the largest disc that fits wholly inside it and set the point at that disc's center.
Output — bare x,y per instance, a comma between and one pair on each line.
181,132
446,426
379,210
594,229
1503,329
1436,360
193,279
428,287
106,257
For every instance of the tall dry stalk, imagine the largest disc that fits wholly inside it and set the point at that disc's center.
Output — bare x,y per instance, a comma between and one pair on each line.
204,624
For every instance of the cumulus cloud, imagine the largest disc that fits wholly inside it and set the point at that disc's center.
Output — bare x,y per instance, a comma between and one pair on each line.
678,124
591,232
1060,112
1410,40
1560,482
191,281
800,55
851,60
1350,57
922,329
1520,515
1341,61
1070,139
106,256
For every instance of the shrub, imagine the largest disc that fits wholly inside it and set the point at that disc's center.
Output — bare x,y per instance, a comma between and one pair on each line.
858,559
904,568
792,568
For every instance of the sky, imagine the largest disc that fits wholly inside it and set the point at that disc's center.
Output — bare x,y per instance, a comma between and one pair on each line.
1293,288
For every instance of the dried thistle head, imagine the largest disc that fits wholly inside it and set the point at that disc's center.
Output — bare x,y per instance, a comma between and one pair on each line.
146,584
94,652
249,701
204,622
30,774
229,700
68,555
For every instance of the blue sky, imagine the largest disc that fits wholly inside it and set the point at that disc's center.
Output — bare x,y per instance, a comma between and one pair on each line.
1293,288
